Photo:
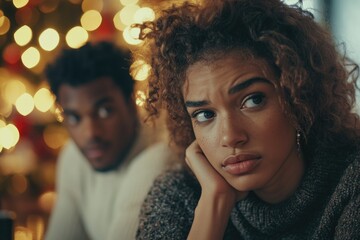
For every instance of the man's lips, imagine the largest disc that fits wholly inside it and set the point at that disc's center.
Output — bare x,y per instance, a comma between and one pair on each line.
95,151
241,163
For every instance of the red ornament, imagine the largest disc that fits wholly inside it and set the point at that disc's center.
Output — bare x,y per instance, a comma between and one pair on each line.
106,29
23,124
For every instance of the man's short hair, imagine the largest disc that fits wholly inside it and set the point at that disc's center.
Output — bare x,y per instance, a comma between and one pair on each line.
90,62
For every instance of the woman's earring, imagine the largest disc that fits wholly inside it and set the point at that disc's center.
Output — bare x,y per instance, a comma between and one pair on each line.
298,140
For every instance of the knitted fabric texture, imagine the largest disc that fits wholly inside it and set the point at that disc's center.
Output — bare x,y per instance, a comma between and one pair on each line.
326,205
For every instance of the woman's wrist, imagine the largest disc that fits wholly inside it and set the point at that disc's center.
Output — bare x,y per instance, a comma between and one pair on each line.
211,216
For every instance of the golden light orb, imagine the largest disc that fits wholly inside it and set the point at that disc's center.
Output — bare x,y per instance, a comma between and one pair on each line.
23,35
91,20
76,37
30,57
49,39
25,104
44,99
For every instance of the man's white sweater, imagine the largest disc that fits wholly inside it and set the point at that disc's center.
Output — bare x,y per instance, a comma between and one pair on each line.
104,206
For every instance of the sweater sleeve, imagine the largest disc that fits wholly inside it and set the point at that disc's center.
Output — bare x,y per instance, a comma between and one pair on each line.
168,210
349,222
65,221
136,184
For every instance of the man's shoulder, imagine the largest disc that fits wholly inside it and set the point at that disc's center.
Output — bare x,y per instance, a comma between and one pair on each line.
176,179
69,149
159,149
155,155
70,157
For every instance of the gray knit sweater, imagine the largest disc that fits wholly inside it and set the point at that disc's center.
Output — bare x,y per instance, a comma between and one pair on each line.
326,205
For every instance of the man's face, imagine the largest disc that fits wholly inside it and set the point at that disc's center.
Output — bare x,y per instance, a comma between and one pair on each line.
100,121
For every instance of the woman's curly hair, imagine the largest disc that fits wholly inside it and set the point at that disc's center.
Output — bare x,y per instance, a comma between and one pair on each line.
316,85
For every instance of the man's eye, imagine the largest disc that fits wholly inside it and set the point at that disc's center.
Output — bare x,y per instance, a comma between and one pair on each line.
104,112
253,100
72,120
203,116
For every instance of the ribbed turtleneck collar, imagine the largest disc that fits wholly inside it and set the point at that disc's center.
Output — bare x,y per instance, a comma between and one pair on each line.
253,216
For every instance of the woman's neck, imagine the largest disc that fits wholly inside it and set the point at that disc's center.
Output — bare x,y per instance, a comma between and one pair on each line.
285,182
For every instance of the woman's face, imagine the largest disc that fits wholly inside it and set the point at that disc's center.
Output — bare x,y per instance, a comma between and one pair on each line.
239,124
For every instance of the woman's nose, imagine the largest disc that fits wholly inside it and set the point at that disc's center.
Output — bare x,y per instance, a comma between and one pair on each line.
233,132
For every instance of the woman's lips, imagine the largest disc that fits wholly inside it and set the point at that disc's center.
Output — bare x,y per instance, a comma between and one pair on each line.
241,163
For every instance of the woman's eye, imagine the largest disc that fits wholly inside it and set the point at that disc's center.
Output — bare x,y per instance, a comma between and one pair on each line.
104,112
203,116
254,100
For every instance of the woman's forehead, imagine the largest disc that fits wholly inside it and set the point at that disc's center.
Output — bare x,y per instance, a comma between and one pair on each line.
227,68
235,58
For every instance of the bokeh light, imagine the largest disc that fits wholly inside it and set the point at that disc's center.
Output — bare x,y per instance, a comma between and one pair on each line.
49,39
76,37
55,136
127,14
22,233
140,98
37,226
20,3
144,14
131,35
25,104
4,25
47,200
19,184
12,90
23,35
140,70
43,99
91,20
6,110
128,2
117,22
2,124
9,136
30,57
58,112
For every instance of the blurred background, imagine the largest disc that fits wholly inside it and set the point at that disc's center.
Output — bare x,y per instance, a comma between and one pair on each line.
32,32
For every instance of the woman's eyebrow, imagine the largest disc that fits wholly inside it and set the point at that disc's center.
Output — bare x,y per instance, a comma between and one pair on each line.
234,89
246,84
196,103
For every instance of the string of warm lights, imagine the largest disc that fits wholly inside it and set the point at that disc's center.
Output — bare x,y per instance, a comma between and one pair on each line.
76,36
15,91
32,39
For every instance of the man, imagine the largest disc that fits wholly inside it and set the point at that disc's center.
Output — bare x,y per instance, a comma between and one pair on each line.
105,171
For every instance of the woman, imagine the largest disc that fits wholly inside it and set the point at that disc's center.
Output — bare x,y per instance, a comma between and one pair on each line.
262,102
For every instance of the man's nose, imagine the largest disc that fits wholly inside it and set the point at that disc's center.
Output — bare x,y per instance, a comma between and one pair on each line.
91,128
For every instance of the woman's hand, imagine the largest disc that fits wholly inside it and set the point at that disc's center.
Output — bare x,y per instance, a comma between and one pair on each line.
217,197
212,183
